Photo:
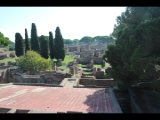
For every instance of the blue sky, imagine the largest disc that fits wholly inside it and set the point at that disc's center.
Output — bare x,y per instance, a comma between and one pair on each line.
74,22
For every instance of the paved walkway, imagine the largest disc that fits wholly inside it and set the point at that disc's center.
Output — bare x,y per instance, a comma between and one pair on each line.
55,99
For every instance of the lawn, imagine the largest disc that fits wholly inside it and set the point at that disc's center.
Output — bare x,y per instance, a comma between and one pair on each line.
87,72
100,66
96,65
68,58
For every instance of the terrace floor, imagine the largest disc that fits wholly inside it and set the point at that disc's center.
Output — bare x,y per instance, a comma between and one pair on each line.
56,99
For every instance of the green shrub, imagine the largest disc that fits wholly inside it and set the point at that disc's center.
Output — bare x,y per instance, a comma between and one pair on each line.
32,62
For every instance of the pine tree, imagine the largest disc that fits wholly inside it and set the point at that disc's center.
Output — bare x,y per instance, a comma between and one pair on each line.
51,46
44,47
59,45
19,45
27,46
34,39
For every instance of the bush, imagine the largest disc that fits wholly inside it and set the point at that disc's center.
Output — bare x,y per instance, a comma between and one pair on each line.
32,62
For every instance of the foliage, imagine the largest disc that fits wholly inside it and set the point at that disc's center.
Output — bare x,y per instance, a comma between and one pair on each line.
27,45
4,41
46,37
19,45
137,44
59,45
44,47
75,41
86,39
104,39
68,41
51,46
34,39
68,58
32,62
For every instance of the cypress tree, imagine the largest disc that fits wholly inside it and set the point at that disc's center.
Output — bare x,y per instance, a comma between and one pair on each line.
19,45
34,39
59,45
27,46
51,46
44,47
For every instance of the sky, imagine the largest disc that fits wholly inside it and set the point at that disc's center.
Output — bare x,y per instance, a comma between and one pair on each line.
74,22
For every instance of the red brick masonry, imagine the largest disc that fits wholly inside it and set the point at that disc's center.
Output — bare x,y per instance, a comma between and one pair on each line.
55,99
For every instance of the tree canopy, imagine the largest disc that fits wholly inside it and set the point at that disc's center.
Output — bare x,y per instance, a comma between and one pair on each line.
86,39
19,45
32,62
44,47
104,39
4,41
34,39
51,45
27,44
68,41
59,45
136,49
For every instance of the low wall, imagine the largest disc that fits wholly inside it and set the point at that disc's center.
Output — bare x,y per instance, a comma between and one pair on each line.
20,79
98,82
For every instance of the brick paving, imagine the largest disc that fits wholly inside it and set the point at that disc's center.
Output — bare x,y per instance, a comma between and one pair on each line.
55,99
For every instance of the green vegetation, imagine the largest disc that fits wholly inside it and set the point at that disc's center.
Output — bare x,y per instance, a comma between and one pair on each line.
59,45
82,65
86,39
4,41
27,45
44,49
68,41
104,39
136,50
51,46
34,39
87,72
32,62
7,60
96,65
19,45
68,58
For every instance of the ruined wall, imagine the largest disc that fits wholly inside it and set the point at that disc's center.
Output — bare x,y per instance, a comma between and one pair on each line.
97,60
99,82
85,60
72,49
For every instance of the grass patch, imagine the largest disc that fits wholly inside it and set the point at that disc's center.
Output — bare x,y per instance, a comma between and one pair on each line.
87,72
82,65
67,59
98,65
7,60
